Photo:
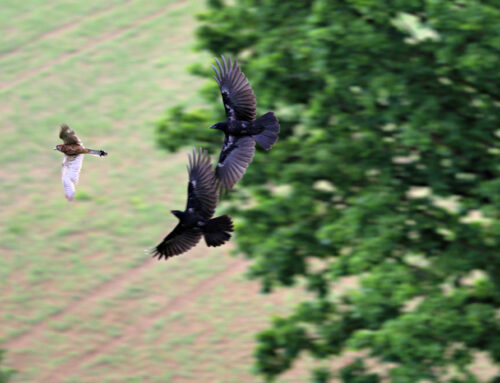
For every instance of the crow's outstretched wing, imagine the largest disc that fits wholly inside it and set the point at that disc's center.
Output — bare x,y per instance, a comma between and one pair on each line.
202,197
177,242
71,167
202,189
237,95
68,136
236,155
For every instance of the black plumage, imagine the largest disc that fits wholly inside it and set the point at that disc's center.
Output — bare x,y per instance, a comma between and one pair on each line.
241,129
196,220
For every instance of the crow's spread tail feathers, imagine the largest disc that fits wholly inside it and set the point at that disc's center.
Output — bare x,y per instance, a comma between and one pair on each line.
100,153
268,137
217,230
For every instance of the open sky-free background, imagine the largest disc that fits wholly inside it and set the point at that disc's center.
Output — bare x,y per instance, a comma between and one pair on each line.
80,301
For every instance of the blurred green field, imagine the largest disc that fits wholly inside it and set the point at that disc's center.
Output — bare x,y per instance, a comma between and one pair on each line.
80,301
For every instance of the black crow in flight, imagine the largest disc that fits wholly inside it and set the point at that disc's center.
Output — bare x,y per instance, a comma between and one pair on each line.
241,128
196,221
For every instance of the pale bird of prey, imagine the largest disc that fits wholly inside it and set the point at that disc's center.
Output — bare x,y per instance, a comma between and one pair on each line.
73,150
241,128
196,220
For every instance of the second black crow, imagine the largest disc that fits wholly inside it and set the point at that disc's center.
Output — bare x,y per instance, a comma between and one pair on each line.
196,220
241,129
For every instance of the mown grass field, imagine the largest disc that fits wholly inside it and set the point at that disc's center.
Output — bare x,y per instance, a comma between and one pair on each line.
80,301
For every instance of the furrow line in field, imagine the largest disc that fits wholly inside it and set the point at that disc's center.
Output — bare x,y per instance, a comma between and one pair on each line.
138,328
109,36
61,29
103,291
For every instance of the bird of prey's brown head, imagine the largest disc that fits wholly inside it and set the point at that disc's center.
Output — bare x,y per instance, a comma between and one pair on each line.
73,150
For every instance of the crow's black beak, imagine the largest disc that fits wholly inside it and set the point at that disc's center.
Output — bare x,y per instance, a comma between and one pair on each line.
211,127
177,213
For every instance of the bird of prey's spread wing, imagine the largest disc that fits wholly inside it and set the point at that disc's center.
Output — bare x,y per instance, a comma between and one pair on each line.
202,192
68,136
237,95
236,155
177,242
71,167
202,198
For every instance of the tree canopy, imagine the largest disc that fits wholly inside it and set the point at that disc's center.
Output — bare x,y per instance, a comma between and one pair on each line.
386,170
5,373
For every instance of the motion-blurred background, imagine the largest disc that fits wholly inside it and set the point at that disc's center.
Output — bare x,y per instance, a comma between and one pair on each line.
377,209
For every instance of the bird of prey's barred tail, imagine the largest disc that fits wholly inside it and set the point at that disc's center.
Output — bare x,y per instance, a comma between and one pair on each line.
241,128
73,150
196,220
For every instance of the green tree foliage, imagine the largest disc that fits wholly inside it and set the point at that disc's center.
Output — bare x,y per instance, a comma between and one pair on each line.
386,169
5,374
